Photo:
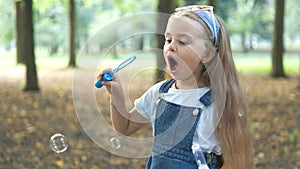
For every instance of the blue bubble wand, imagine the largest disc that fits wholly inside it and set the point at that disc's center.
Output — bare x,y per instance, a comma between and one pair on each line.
199,156
108,76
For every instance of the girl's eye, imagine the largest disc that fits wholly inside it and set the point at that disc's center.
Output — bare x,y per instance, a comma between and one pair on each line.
168,40
182,42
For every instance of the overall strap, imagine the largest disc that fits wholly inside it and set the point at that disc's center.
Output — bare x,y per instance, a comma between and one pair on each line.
207,98
164,88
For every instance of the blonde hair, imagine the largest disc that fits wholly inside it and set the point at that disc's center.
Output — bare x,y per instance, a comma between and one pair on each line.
232,128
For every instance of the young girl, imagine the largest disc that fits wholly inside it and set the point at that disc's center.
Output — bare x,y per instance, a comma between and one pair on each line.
200,106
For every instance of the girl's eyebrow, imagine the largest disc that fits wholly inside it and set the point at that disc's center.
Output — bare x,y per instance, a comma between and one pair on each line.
180,36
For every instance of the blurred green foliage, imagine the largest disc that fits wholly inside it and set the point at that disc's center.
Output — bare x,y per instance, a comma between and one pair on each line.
249,20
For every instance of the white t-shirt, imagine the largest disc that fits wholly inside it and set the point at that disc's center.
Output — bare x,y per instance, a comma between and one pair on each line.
204,136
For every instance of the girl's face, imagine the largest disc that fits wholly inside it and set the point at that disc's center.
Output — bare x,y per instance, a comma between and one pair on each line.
184,48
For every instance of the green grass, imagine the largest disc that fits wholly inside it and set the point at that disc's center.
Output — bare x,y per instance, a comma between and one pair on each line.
261,62
244,62
43,61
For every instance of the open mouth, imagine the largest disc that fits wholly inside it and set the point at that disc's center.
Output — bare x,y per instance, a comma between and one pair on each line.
172,64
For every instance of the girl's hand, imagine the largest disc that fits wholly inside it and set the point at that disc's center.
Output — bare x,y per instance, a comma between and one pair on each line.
114,87
123,121
107,85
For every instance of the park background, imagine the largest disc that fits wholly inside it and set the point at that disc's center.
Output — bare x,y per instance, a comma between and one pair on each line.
37,75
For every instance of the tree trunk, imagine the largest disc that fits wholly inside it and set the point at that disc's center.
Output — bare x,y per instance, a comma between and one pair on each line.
28,47
244,43
163,7
72,29
277,44
140,42
20,55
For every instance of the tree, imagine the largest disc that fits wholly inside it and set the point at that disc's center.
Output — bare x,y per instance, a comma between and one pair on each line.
190,2
6,24
213,3
223,9
263,19
292,28
277,43
163,7
242,21
49,25
72,28
28,46
20,55
220,8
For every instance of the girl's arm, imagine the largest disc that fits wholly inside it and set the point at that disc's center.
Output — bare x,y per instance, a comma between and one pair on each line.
124,121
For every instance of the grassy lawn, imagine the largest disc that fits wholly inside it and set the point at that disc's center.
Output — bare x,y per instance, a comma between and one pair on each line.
245,62
261,62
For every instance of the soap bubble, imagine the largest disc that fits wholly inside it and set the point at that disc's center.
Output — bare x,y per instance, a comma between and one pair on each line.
58,143
115,143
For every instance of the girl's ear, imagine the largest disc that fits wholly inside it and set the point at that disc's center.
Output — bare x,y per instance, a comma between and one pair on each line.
209,56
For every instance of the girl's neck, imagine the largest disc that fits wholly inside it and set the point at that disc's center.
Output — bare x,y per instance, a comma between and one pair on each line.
186,84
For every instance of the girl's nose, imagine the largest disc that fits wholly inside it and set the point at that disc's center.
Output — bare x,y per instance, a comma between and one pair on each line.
172,46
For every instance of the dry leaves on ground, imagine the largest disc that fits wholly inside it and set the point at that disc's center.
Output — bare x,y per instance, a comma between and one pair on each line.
28,119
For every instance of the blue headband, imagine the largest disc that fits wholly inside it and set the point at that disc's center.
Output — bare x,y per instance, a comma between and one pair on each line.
207,19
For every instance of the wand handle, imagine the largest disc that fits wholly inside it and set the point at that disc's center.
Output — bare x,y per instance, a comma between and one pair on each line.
108,76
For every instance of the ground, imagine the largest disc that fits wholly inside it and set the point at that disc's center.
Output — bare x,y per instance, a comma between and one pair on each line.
29,119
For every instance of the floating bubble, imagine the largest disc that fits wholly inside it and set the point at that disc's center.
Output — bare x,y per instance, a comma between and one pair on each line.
58,143
115,143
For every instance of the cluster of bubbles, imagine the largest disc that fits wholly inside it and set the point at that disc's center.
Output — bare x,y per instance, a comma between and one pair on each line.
58,143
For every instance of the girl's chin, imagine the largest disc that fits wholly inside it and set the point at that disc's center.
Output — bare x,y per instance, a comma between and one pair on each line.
179,75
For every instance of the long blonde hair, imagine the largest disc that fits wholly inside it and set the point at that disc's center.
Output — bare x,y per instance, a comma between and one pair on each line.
232,129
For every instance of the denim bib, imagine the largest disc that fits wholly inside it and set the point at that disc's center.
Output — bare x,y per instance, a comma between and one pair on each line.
174,129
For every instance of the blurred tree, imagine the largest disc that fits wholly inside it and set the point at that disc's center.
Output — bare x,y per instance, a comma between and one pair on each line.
213,3
86,11
241,21
277,41
163,7
220,7
262,25
127,7
20,54
72,29
28,46
292,26
7,24
223,9
190,2
50,19
249,19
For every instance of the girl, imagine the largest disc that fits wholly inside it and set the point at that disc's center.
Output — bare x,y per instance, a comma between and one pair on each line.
201,105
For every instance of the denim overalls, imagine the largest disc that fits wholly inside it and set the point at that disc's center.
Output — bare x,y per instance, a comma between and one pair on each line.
174,130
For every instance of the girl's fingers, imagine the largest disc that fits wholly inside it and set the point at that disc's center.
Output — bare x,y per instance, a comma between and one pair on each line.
99,77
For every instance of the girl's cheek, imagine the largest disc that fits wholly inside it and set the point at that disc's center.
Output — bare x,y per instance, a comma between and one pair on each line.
165,49
199,52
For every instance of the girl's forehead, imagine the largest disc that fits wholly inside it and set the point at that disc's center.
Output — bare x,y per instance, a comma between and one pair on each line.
182,24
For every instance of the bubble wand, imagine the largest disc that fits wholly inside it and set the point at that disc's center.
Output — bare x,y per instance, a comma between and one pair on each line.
199,156
108,76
